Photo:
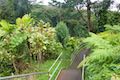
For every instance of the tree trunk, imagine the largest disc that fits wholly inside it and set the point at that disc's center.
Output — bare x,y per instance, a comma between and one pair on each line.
39,57
89,15
15,68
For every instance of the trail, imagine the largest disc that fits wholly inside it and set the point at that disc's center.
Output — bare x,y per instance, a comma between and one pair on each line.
72,73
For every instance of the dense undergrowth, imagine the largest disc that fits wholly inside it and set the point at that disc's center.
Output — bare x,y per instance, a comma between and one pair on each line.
29,41
22,43
29,44
104,60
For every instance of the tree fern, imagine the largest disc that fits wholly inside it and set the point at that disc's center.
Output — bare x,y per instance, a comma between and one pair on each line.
104,60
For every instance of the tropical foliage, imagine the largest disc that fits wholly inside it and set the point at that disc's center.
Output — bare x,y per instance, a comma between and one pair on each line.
31,40
103,62
62,33
12,9
19,43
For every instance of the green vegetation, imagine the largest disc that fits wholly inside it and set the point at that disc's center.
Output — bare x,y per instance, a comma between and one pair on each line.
24,43
12,9
33,35
21,43
62,33
44,67
103,62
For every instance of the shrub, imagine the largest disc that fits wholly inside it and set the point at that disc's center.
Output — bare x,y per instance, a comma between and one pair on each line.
103,62
23,43
62,33
77,29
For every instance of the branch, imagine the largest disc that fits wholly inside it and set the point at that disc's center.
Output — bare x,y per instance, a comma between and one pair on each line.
81,13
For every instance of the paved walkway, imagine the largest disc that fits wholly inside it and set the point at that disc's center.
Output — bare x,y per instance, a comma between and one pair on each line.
69,75
72,73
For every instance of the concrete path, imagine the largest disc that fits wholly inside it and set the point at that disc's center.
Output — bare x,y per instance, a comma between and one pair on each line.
72,73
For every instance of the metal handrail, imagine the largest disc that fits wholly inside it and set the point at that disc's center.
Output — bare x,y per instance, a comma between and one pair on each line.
83,68
55,70
37,73
22,75
81,46
55,62
51,76
58,73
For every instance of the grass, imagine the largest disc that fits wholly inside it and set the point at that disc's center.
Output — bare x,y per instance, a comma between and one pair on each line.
48,64
44,67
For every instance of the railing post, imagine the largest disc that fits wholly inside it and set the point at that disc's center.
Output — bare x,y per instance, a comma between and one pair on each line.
48,75
83,68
